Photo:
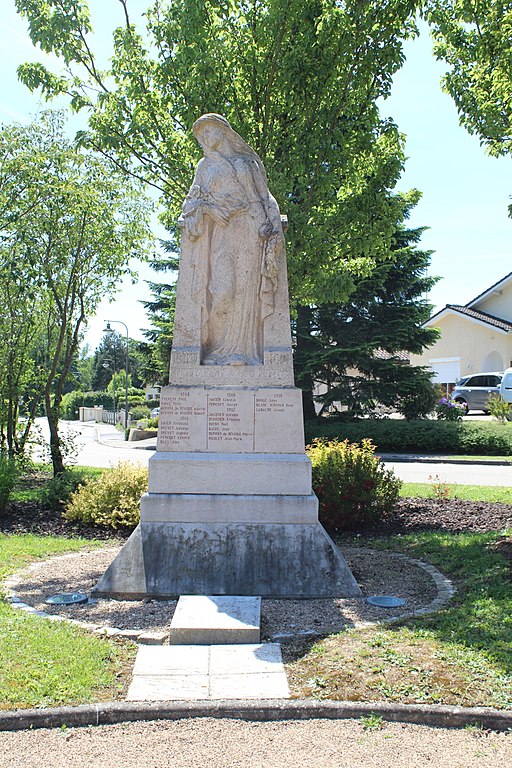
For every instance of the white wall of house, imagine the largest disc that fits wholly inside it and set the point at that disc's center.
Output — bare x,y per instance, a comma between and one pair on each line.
474,345
497,303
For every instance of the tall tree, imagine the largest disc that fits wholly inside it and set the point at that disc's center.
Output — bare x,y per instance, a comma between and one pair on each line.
156,353
474,37
84,224
357,348
299,79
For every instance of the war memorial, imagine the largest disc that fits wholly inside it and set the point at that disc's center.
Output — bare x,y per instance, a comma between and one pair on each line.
230,508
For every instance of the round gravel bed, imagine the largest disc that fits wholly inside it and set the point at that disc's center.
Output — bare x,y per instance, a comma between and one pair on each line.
377,572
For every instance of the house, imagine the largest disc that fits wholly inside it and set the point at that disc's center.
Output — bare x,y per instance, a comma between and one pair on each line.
474,337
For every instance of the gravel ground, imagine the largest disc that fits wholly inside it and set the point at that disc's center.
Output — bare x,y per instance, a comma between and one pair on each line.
237,744
376,572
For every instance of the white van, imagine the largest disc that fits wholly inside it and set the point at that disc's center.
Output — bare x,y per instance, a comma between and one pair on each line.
506,386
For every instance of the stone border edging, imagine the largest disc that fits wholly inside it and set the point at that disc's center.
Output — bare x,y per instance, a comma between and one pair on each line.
444,586
265,710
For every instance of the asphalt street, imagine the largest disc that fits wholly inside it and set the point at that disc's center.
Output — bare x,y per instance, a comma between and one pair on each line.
100,445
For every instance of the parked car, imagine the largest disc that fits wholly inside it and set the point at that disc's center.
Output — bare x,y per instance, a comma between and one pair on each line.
506,386
474,391
155,413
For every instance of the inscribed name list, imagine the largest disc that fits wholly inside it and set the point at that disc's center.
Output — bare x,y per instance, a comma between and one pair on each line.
230,420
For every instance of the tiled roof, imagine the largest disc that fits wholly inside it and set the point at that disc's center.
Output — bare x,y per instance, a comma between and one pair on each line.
497,322
401,355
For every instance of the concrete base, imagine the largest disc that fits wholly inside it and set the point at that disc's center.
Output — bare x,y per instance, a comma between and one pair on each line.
227,508
168,559
201,620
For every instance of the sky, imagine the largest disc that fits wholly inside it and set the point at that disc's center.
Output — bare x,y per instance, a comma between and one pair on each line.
465,193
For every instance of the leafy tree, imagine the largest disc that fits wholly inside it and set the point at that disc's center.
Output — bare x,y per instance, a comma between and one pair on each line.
299,79
74,230
357,348
475,38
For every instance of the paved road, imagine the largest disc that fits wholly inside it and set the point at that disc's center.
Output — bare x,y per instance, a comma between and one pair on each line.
113,449
463,474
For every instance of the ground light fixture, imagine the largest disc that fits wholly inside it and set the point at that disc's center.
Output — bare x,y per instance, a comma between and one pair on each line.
385,601
68,598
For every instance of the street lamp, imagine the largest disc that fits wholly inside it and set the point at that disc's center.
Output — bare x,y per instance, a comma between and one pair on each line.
108,329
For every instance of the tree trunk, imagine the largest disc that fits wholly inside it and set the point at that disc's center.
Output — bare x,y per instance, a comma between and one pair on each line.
303,376
52,414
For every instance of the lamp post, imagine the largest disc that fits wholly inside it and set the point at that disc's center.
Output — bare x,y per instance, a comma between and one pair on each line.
108,329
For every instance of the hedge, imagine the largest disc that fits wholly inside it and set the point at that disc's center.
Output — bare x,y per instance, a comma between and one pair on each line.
422,436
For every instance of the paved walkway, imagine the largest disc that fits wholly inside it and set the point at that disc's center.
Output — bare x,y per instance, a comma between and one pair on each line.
199,672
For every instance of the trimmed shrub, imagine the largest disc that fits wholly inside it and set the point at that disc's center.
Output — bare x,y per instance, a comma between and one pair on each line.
353,486
112,500
71,402
423,436
140,412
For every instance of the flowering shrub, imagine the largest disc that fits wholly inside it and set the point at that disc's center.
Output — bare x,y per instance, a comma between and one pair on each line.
449,410
112,500
353,486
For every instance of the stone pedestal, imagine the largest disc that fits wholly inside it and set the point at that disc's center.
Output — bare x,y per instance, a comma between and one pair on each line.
230,509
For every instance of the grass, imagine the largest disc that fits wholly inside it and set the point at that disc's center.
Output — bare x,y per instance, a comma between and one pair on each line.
493,493
460,655
46,663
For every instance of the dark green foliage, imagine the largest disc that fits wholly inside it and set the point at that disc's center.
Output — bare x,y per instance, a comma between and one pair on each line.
57,491
156,353
422,436
110,358
353,487
357,349
72,401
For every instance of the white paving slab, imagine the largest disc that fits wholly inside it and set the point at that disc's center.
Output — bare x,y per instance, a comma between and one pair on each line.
158,660
201,620
266,686
168,688
170,673
252,659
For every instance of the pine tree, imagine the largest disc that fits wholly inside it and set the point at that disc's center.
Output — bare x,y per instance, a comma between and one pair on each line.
358,350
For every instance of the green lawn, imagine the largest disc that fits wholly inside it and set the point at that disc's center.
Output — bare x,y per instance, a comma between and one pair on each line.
46,663
437,489
459,655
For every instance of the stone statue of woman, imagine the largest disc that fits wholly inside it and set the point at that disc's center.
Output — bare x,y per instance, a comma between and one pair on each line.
234,225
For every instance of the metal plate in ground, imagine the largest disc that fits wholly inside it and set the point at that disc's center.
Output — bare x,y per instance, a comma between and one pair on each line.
68,598
385,601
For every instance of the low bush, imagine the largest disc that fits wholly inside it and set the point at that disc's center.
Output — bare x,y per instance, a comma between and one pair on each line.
57,492
140,412
113,500
353,486
470,438
449,410
499,408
